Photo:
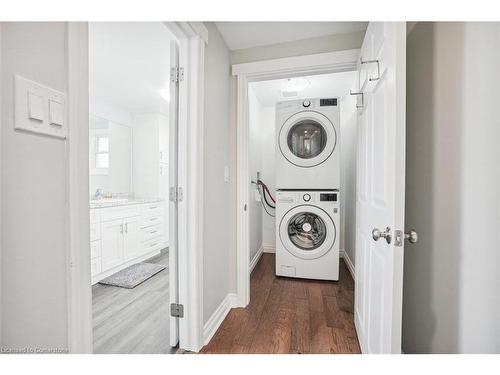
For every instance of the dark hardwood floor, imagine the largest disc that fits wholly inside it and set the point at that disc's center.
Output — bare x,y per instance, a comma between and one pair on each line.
290,316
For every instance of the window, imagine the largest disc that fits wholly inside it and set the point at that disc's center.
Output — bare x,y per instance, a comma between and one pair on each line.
102,152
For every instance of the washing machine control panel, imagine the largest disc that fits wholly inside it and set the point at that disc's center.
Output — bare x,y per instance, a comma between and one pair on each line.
297,105
310,197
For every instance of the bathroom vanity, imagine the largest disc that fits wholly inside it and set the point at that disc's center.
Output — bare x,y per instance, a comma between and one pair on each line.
125,232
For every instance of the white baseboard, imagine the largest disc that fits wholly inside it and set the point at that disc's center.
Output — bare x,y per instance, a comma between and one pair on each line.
256,258
269,249
350,265
213,324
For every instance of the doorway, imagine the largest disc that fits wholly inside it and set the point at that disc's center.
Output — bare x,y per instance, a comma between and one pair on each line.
186,56
379,229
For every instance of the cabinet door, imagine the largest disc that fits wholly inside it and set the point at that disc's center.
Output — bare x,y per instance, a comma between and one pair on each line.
112,244
131,238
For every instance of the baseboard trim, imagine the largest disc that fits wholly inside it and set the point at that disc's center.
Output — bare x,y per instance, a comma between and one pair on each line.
343,254
213,324
269,249
256,258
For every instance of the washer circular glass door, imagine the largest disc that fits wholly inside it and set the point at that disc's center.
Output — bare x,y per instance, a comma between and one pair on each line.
307,139
307,232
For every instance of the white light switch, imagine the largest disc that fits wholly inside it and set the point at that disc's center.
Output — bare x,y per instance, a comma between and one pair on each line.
35,106
39,109
56,114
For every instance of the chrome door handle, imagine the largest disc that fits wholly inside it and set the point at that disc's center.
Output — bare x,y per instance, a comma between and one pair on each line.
411,236
377,234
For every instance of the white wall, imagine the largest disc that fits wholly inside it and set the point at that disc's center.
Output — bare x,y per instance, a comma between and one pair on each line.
310,46
219,217
255,162
451,301
33,196
348,155
268,139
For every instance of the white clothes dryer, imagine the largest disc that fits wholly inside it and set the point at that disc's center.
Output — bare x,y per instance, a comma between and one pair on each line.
307,144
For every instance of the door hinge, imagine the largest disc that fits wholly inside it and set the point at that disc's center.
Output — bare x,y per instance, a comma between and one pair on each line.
176,74
175,194
177,310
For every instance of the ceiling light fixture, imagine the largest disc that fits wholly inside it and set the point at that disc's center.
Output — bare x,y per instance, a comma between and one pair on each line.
292,86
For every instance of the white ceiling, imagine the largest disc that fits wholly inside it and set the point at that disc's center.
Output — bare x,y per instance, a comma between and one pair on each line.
129,64
320,86
239,35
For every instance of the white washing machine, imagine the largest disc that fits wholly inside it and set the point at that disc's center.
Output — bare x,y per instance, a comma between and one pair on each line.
307,231
307,144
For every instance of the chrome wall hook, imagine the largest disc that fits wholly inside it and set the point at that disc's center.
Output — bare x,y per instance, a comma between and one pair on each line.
372,62
362,98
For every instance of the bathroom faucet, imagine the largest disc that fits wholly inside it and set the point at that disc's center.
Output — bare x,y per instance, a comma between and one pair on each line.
99,193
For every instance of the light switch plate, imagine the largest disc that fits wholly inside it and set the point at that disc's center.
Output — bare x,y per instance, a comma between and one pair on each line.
35,106
39,109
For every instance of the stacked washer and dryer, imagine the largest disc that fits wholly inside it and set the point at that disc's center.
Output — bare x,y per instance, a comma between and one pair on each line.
307,188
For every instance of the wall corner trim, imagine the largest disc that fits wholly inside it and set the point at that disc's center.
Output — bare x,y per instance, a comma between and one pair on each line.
343,254
215,321
256,258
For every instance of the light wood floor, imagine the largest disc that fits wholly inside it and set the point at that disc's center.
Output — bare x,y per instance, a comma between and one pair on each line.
290,316
133,320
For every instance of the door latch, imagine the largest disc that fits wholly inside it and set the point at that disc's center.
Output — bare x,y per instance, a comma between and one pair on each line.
411,236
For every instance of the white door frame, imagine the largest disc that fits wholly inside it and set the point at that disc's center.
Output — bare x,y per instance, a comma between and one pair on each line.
323,63
192,37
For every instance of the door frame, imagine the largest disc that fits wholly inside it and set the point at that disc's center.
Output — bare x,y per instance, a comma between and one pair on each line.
192,37
323,63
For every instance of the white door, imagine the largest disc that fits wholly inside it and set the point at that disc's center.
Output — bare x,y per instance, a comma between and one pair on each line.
173,180
380,188
112,243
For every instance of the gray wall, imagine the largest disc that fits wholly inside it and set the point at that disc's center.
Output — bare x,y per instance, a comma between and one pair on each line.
33,195
451,300
219,224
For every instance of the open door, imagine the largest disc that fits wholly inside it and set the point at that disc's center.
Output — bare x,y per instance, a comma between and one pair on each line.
173,193
380,188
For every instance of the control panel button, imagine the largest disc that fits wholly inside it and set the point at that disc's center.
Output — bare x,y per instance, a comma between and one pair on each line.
306,197
306,103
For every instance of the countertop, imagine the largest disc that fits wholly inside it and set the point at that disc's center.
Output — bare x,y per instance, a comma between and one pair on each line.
103,203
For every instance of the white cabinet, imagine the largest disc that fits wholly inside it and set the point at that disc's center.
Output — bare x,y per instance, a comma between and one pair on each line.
131,243
124,235
112,244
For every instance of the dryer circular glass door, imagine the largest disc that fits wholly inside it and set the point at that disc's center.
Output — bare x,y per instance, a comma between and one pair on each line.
307,139
307,232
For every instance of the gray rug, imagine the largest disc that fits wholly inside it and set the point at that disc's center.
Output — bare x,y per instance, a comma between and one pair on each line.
132,276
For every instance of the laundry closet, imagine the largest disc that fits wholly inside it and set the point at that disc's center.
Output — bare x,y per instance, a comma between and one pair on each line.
302,154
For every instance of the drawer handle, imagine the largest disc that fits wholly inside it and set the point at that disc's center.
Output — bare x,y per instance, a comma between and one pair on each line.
152,208
153,219
154,244
153,232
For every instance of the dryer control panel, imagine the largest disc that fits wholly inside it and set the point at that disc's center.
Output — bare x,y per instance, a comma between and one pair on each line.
307,104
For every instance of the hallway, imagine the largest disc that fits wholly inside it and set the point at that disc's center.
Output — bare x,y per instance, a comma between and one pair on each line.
290,316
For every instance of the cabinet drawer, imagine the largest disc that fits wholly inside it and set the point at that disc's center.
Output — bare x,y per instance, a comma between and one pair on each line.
95,266
108,214
147,222
95,231
95,249
152,209
151,232
95,216
153,244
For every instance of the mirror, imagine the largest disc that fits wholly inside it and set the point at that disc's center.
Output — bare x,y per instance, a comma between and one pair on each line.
110,153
